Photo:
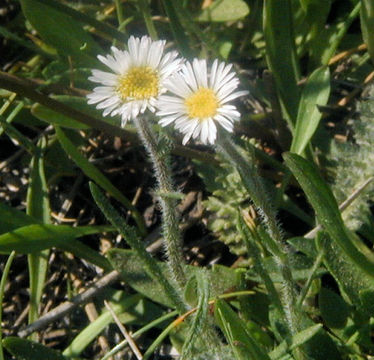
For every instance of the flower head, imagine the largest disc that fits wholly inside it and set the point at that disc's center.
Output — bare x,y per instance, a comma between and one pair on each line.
136,80
201,100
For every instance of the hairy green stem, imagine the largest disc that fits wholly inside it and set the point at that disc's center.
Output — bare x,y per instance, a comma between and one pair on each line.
171,233
250,237
256,190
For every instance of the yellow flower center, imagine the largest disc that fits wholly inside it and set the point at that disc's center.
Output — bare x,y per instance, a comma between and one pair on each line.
202,104
139,83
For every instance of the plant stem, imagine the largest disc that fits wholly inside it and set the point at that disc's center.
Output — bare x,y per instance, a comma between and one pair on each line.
256,190
119,12
145,9
171,233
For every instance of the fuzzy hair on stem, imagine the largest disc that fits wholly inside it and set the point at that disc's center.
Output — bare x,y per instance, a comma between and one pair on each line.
254,185
171,233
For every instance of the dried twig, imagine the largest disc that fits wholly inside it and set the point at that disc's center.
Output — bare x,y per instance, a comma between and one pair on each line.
124,332
68,306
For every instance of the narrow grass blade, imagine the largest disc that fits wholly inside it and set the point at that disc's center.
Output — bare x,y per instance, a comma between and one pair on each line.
145,10
325,44
4,278
96,175
316,92
26,44
326,208
11,218
37,207
17,136
177,29
90,332
281,53
32,239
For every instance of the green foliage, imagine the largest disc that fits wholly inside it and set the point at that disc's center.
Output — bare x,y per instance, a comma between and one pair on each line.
352,164
303,293
227,196
23,349
327,211
224,10
315,93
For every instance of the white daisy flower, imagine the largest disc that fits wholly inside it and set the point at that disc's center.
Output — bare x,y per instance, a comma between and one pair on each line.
136,80
202,100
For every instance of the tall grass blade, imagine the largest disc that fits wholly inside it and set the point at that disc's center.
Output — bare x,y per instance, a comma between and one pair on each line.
38,207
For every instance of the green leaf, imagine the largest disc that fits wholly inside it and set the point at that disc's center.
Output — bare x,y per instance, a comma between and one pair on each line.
23,349
242,343
367,24
11,218
61,31
325,43
133,272
334,310
316,92
52,117
131,267
96,175
367,300
351,280
177,28
326,208
84,18
304,245
224,10
33,238
37,207
281,54
297,340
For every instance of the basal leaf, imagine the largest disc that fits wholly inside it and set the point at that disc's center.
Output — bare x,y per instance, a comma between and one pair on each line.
334,310
133,272
224,10
326,208
351,280
316,92
23,349
61,31
243,345
281,54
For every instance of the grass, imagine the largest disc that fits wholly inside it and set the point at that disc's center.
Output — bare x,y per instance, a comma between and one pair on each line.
275,263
